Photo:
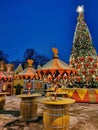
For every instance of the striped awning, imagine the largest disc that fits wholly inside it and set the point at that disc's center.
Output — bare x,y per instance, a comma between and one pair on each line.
29,72
4,75
56,65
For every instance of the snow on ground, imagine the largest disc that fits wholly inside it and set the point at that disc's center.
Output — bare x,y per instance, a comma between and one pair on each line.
83,116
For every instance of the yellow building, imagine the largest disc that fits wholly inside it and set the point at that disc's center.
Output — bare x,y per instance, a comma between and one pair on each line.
18,83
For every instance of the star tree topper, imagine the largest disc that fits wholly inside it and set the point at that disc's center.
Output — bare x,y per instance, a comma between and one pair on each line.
80,9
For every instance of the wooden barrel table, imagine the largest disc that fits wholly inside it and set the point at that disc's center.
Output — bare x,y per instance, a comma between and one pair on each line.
56,116
28,106
2,99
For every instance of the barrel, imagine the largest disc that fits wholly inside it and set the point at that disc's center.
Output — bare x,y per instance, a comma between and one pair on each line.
56,117
28,109
2,101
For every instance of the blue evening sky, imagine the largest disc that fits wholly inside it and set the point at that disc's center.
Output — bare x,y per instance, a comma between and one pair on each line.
43,24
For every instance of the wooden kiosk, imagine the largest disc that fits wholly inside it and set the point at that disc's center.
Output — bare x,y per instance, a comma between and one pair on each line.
2,99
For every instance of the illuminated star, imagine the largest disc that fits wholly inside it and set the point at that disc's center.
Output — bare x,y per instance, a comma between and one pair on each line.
80,9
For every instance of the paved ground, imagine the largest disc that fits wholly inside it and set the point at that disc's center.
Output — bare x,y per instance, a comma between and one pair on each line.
83,116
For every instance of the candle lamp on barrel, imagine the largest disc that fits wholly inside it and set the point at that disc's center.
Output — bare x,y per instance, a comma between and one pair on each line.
28,105
55,115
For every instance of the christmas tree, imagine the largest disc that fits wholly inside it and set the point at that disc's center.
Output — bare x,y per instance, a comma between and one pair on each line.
84,56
